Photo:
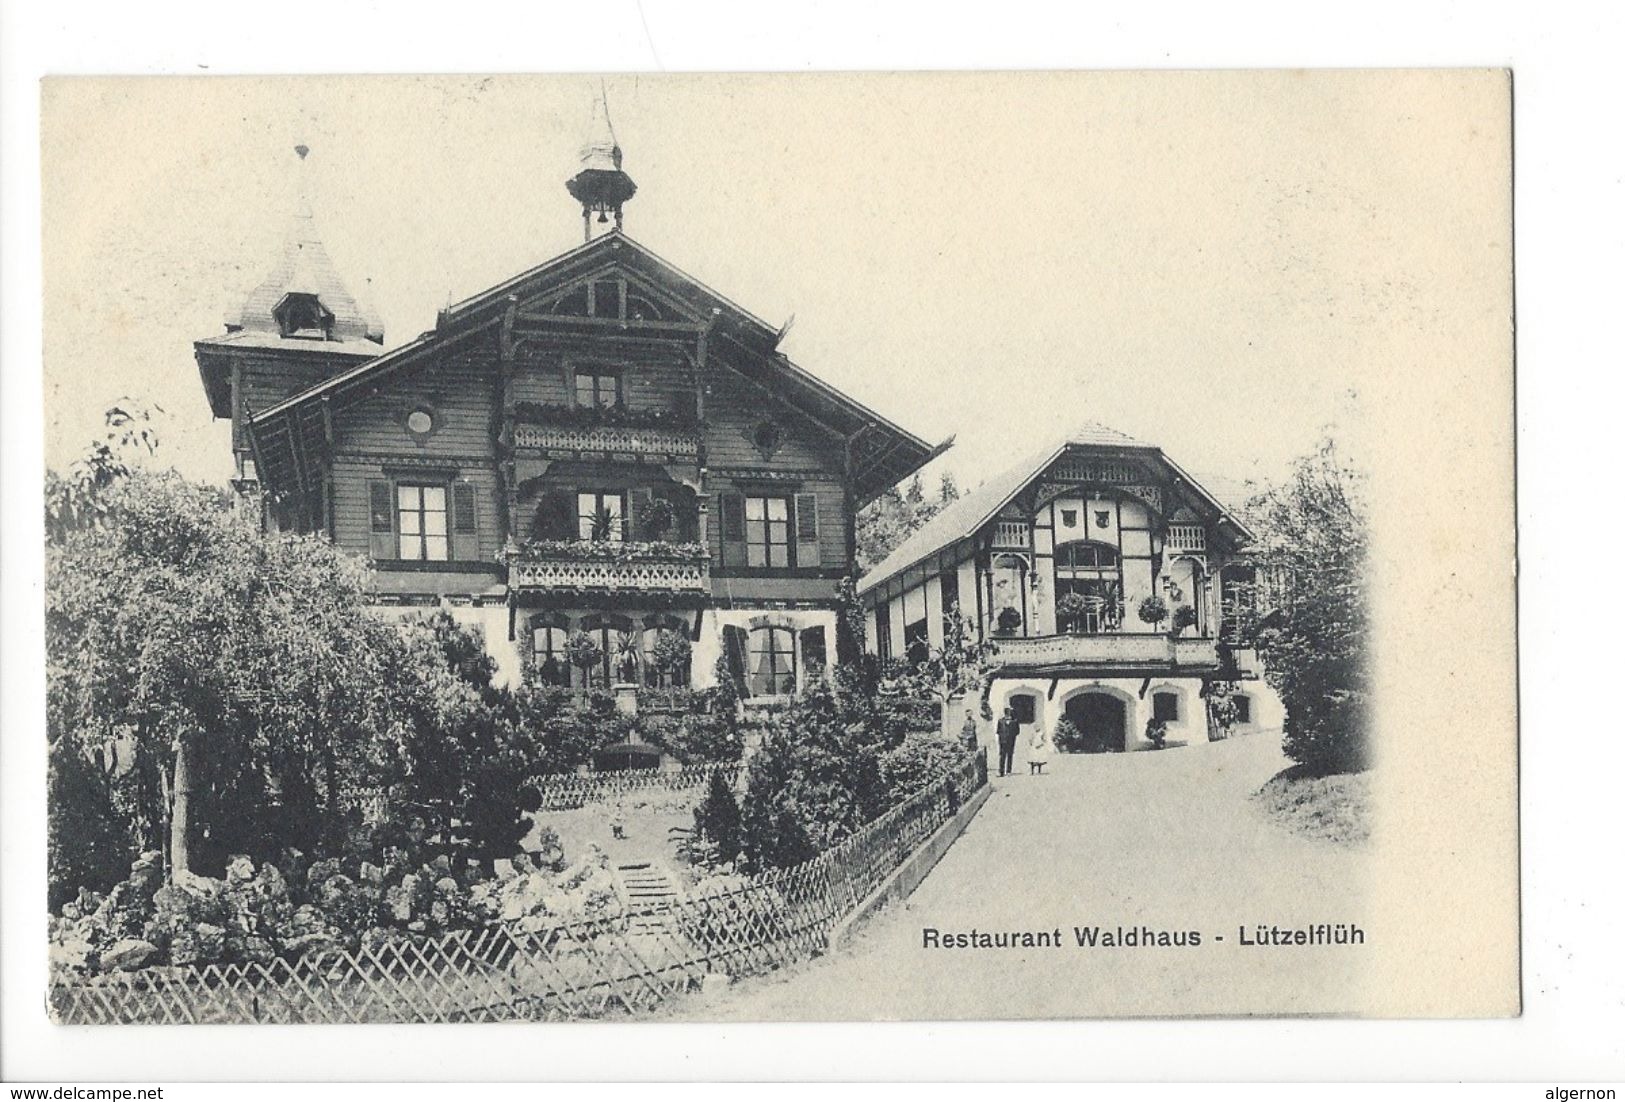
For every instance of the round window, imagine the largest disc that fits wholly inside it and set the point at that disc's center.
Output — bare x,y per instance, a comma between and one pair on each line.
420,421
767,436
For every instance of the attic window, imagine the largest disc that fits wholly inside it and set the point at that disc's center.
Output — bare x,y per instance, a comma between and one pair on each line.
303,316
606,298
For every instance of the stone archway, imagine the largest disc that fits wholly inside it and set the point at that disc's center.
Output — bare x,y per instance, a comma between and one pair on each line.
1102,717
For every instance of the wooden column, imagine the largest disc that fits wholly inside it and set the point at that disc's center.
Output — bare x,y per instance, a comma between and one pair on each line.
702,499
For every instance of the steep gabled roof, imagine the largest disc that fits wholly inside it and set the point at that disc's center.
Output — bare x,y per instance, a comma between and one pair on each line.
747,344
971,511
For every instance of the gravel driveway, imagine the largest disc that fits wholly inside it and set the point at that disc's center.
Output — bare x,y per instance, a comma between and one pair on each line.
1167,840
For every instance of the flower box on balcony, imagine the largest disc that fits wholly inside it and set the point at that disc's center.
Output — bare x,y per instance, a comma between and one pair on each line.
587,417
609,565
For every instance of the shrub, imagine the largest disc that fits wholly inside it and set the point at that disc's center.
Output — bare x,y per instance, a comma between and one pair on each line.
87,843
814,780
915,762
1157,731
1070,740
716,820
1009,620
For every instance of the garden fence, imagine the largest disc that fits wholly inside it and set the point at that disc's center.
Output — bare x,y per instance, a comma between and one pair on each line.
567,791
628,963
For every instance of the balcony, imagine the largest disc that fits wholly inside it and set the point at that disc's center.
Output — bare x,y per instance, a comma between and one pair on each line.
610,566
1109,650
660,435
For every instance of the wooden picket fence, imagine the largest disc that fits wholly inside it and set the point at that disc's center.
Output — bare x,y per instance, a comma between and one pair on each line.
624,964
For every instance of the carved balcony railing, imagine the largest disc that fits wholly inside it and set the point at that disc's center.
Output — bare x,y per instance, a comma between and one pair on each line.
668,444
1012,535
670,435
1122,650
610,566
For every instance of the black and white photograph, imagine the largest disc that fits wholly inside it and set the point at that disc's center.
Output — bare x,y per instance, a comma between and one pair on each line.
642,569
619,571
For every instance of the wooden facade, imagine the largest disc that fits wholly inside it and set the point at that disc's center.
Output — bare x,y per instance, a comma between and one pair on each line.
1051,562
600,445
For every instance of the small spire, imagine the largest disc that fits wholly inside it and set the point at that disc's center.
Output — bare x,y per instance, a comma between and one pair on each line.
602,187
302,207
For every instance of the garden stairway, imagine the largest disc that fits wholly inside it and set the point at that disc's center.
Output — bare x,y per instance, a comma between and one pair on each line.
644,886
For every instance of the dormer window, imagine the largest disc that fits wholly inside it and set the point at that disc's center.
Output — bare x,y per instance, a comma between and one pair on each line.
303,316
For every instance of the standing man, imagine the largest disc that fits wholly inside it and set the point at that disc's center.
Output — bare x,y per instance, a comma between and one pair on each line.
1007,730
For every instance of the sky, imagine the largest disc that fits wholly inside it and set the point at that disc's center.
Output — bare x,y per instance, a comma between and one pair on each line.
1212,262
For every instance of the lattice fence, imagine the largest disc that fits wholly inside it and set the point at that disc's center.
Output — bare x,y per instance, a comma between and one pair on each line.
566,791
626,964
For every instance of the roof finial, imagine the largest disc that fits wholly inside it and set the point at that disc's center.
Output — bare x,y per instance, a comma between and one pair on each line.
601,186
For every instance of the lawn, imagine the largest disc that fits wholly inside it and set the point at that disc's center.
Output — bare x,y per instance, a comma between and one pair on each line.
1332,807
647,818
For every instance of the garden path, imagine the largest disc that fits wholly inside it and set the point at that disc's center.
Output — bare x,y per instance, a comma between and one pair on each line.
1169,839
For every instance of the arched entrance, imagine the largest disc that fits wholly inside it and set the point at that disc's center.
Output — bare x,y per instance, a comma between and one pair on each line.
1103,720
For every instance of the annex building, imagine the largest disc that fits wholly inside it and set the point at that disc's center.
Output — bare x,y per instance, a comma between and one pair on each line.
600,446
1052,561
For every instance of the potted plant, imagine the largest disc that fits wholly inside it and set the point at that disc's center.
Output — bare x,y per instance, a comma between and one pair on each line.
626,657
1184,617
1070,611
1009,620
1153,610
604,525
671,654
584,653
658,518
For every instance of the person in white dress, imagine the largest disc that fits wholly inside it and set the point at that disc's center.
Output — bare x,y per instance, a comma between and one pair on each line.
1038,750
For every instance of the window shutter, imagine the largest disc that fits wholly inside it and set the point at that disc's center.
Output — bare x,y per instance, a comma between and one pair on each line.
733,647
814,655
807,530
638,500
733,529
465,527
381,498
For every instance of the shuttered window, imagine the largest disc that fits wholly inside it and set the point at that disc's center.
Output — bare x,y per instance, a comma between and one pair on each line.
381,525
733,649
767,531
807,553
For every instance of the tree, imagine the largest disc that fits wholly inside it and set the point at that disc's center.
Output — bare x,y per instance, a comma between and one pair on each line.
958,666
77,500
245,671
892,517
814,779
1315,645
716,820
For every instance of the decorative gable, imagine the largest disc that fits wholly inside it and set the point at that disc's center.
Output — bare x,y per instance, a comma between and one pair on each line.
610,294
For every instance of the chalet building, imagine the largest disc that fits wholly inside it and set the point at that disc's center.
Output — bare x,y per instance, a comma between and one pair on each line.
599,445
1052,559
